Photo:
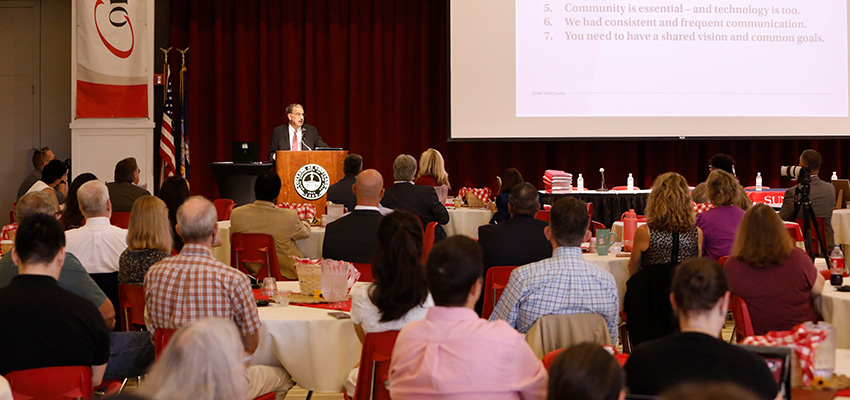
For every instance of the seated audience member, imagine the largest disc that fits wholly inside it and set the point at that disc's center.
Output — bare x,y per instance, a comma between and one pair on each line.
668,238
700,297
720,223
510,178
204,360
775,279
722,162
124,191
46,326
399,294
53,180
72,217
353,237
588,372
148,240
40,158
710,391
516,241
208,288
282,224
342,192
453,353
669,213
822,195
420,200
564,283
174,191
432,169
73,277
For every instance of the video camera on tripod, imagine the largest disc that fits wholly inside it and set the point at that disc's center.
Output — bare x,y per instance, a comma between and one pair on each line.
803,175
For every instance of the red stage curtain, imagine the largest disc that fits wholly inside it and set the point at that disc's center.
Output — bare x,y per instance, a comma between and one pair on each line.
372,75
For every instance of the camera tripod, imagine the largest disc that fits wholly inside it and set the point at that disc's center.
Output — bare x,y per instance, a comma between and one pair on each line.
804,203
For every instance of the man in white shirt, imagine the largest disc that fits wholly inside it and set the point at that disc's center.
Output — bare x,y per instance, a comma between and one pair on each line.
97,244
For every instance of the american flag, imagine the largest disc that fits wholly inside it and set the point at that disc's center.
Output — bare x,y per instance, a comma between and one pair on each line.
166,139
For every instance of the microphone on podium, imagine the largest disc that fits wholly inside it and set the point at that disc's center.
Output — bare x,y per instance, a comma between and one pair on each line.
305,143
603,188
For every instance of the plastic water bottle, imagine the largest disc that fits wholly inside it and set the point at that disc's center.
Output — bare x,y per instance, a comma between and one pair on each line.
834,176
629,228
630,182
580,183
836,266
758,181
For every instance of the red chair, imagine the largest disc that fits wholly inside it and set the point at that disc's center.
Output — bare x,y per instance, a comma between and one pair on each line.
594,225
741,314
254,248
161,337
52,383
754,188
590,210
494,283
550,357
120,219
365,272
542,215
428,240
223,207
722,260
375,366
821,232
624,188
131,299
825,273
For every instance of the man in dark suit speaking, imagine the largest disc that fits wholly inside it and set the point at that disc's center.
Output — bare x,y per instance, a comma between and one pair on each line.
295,135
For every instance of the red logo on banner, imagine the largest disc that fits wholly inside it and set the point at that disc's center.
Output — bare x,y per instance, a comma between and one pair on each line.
118,53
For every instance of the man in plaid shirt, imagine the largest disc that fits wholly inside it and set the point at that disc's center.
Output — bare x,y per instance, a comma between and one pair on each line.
564,283
194,285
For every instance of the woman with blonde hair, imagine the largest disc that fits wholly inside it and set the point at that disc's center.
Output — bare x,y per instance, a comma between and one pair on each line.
149,240
432,169
669,213
204,360
668,238
776,279
719,223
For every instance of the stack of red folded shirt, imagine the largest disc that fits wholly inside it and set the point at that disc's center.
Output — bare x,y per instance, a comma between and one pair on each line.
556,181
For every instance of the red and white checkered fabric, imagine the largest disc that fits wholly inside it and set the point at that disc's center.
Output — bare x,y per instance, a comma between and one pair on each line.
700,208
7,230
798,338
482,193
306,211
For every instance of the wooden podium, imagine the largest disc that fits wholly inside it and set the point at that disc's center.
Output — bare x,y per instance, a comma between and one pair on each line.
301,165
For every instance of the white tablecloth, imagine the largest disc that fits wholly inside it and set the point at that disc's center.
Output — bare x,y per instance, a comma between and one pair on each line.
316,349
311,246
834,306
465,221
841,226
617,266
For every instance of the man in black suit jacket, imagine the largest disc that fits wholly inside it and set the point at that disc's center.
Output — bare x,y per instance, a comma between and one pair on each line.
354,237
420,200
341,192
124,192
306,135
519,240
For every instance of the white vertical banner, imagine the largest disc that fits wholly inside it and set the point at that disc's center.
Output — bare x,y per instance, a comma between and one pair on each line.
113,58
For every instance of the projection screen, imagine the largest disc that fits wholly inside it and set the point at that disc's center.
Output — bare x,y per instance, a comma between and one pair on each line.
536,69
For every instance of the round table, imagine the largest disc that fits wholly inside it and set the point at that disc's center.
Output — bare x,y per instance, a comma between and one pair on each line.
617,266
315,348
834,306
841,225
466,220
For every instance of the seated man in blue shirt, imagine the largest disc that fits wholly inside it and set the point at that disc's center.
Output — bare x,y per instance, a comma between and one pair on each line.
564,283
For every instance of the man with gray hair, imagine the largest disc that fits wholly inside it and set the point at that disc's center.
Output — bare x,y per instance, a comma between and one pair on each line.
98,244
194,285
420,200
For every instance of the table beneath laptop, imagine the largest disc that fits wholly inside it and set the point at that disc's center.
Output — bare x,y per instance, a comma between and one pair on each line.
315,348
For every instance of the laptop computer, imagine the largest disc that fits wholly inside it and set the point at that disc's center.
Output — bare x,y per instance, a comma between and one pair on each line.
246,152
778,361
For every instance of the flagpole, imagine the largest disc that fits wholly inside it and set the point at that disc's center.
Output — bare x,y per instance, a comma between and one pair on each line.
184,142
